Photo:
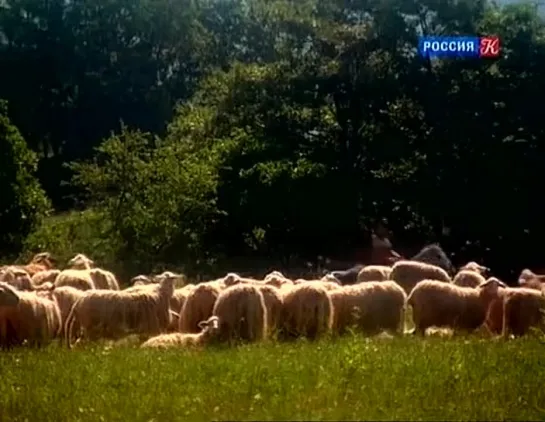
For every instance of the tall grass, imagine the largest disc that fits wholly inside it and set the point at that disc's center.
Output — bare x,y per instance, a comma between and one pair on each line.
349,379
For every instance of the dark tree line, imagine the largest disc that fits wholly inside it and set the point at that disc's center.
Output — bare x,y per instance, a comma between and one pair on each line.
201,131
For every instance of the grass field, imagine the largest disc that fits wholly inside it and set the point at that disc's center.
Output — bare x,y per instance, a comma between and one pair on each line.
349,379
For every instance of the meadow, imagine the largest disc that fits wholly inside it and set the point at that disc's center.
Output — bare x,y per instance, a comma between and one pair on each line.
353,378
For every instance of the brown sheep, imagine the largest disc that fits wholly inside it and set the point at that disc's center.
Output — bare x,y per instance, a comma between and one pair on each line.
242,313
306,311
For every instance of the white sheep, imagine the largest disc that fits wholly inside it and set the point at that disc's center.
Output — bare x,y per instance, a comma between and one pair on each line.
370,307
242,313
210,330
47,276
408,273
439,304
16,277
199,306
111,313
306,311
32,319
78,279
374,273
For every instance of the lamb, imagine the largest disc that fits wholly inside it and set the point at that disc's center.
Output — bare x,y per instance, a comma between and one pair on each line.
46,276
371,307
523,309
198,306
112,313
439,304
16,277
374,273
27,317
210,330
79,279
242,313
306,311
408,273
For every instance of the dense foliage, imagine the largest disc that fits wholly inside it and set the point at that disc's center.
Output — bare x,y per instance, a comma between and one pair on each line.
277,129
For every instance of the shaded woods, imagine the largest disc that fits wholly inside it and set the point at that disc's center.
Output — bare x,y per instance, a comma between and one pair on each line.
226,132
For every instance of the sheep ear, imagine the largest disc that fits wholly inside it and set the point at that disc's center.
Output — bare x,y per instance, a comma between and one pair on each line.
203,324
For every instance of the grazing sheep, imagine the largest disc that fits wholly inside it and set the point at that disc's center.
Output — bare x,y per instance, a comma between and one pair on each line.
210,330
111,313
468,278
273,302
16,277
408,273
523,309
46,276
374,273
199,306
306,311
370,307
242,313
29,318
79,279
439,304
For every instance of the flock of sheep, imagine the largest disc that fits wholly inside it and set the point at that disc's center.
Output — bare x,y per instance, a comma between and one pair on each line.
81,302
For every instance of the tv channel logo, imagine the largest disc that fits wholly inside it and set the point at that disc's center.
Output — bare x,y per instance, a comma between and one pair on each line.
439,46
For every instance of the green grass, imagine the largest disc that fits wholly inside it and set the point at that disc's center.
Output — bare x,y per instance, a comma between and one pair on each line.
349,379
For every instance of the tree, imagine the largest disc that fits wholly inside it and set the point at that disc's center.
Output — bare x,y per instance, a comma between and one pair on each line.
23,202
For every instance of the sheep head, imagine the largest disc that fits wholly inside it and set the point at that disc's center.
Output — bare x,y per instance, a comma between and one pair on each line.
231,279
490,288
81,262
473,266
44,258
210,328
140,280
